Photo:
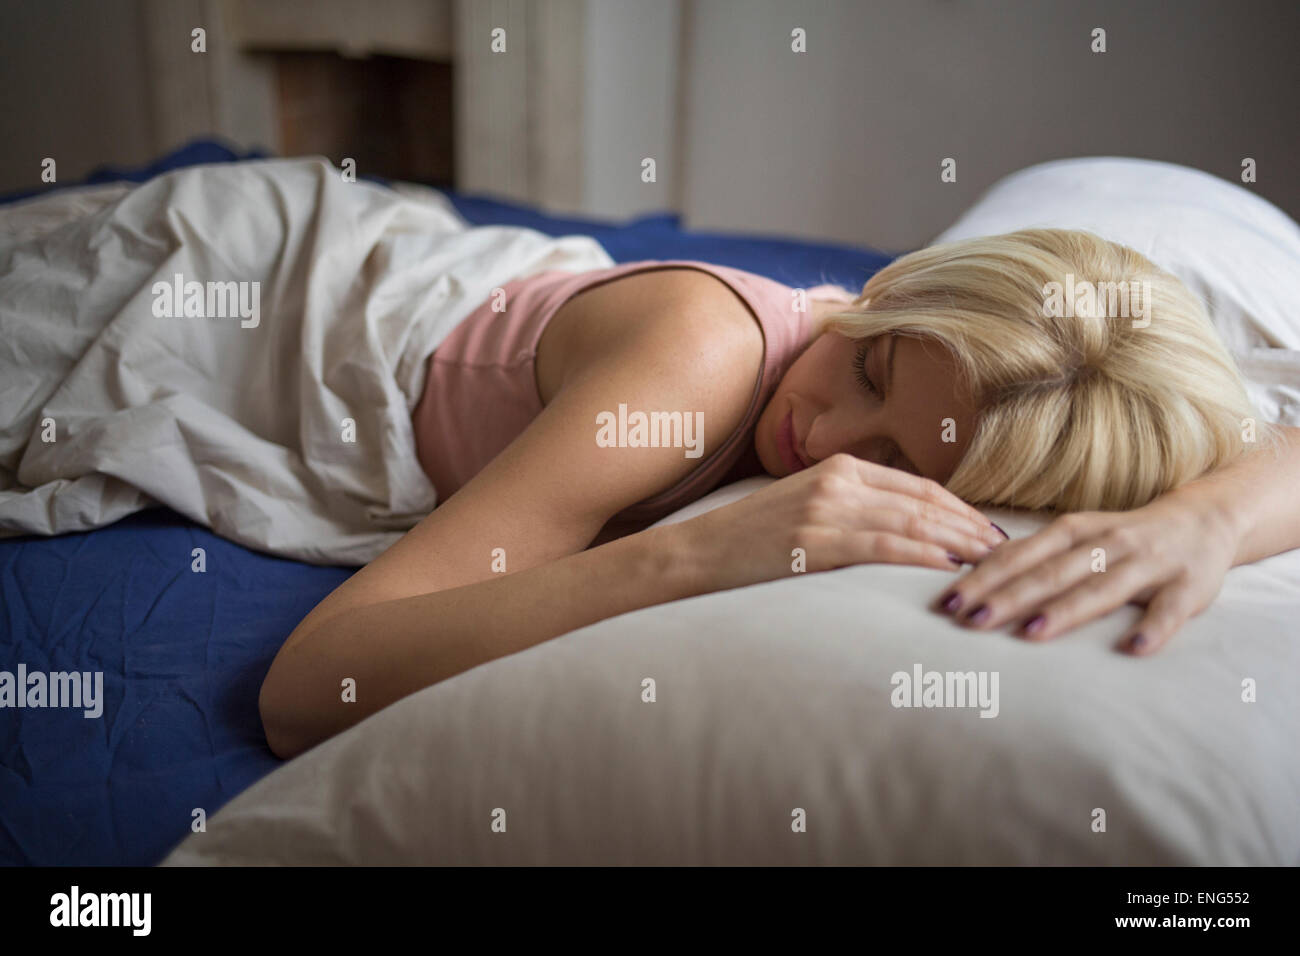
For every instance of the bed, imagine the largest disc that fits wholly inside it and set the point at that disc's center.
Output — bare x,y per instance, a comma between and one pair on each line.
795,722
763,725
183,657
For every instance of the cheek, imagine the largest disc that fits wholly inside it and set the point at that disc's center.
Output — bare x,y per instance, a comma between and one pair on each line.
834,380
821,377
822,371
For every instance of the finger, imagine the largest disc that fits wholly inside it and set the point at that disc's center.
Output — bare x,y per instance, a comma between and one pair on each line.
1016,597
955,537
1096,596
1168,611
1008,561
914,486
881,547
915,513
860,506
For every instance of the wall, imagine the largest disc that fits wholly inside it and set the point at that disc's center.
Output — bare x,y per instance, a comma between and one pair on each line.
845,141
630,107
842,142
73,87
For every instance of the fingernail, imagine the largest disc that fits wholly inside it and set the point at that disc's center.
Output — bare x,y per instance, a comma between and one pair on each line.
979,615
1137,642
1001,532
950,602
955,559
1033,625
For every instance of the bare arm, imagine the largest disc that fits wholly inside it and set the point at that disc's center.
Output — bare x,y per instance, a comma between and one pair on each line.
397,647
843,511
1170,555
1258,496
431,607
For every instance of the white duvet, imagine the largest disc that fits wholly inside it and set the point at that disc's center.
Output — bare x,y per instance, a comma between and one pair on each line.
285,427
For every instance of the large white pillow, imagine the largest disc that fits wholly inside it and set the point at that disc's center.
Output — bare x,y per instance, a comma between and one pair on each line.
776,699
1237,251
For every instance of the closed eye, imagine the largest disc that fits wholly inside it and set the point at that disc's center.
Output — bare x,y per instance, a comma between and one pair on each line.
894,457
860,368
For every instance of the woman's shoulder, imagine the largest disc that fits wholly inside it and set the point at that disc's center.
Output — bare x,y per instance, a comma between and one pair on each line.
660,288
657,312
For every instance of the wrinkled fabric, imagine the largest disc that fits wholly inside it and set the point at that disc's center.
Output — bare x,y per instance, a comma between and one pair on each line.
290,434
183,653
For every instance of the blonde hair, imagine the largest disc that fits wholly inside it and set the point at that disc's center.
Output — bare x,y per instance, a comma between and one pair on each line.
1076,412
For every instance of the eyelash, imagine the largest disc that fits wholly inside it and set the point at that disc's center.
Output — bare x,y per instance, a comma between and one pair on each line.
895,456
860,371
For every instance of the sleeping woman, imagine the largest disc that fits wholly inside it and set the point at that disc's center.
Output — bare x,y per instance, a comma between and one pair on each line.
887,416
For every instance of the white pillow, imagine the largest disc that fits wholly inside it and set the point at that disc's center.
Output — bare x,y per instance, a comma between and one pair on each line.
776,699
1237,251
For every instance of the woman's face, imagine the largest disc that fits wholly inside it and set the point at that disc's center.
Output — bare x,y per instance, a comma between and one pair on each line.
892,408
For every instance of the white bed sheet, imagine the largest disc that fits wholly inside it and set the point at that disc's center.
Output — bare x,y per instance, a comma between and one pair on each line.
289,432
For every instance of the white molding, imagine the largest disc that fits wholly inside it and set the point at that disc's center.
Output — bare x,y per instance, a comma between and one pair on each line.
220,92
555,100
519,118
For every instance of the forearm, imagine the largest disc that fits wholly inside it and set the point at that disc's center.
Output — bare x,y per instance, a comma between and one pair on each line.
395,648
1256,497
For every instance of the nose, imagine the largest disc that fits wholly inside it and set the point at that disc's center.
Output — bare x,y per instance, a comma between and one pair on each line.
831,432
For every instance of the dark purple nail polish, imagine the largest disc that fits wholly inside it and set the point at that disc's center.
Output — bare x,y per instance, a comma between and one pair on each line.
979,615
955,559
1033,625
950,602
1137,642
1001,532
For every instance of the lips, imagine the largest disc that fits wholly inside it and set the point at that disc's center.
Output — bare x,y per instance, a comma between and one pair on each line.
787,447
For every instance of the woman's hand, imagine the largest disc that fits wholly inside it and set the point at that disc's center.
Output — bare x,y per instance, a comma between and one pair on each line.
1170,555
841,511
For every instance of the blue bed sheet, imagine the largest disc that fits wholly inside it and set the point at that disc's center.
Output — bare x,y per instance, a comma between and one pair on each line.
182,652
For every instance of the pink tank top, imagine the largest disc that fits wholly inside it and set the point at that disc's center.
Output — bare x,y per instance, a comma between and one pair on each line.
481,392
